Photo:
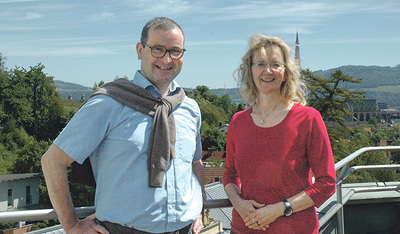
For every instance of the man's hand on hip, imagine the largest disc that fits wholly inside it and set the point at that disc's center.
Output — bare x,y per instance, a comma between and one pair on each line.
87,225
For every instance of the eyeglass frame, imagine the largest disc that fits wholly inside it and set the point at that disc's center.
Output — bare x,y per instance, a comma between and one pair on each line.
269,65
166,51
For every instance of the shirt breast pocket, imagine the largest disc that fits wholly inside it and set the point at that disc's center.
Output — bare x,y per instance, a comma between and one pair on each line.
186,144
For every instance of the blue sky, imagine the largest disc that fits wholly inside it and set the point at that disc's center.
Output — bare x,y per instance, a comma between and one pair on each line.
87,41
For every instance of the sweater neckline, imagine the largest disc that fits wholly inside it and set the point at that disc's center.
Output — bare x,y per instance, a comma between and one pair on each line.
295,105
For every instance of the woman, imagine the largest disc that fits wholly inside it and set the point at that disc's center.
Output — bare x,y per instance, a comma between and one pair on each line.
274,147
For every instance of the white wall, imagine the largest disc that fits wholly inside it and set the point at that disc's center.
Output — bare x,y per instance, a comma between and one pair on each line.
18,193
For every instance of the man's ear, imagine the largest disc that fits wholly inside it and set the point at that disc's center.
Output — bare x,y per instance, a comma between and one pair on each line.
139,50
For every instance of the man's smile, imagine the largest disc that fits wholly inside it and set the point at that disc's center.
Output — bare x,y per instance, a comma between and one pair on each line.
163,68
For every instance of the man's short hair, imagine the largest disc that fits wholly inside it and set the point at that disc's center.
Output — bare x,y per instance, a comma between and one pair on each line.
163,23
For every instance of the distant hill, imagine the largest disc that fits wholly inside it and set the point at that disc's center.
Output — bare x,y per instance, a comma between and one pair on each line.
75,90
233,93
381,83
372,76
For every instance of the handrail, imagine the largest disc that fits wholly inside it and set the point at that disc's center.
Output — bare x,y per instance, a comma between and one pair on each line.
81,212
343,166
40,214
357,153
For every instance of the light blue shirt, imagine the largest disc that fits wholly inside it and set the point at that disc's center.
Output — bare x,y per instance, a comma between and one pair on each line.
115,137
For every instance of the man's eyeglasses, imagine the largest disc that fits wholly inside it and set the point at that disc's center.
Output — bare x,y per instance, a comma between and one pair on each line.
272,66
160,51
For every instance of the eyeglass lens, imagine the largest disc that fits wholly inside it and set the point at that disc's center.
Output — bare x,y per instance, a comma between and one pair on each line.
160,51
272,66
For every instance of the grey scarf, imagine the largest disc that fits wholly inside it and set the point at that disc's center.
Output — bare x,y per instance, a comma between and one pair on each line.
163,133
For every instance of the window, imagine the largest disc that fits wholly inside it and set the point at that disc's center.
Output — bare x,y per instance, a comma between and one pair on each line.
10,198
28,195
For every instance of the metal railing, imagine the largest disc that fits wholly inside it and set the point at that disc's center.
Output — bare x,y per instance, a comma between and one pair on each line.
81,212
343,166
345,171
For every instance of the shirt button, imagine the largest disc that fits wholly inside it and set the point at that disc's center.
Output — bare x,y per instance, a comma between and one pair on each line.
170,207
170,185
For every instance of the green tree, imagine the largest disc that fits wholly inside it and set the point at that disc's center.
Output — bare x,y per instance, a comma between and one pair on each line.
379,135
3,82
395,154
30,115
203,92
329,97
31,100
47,111
212,114
240,107
225,103
2,61
212,138
214,110
96,86
373,121
124,77
6,160
28,156
16,104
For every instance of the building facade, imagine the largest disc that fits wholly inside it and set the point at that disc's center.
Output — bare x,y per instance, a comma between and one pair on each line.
18,190
364,111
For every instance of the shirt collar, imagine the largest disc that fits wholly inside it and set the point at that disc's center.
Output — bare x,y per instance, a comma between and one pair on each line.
143,82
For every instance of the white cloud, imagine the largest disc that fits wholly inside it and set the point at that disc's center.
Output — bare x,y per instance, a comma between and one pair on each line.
160,7
101,16
32,16
18,16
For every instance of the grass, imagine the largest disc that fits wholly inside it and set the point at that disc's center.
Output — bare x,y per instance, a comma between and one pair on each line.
70,105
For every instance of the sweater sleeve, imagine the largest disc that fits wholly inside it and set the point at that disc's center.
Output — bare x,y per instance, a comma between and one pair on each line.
321,161
230,174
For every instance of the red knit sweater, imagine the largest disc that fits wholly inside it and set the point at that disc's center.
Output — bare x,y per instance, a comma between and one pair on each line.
275,163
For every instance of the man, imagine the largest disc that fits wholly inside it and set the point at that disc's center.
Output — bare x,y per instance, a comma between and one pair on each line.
134,194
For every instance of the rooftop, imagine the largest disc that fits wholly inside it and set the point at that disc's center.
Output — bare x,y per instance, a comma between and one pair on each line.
11,177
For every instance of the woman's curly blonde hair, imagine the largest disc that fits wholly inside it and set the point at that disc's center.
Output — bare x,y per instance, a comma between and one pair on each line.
292,89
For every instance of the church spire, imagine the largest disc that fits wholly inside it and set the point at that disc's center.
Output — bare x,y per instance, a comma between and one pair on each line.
297,50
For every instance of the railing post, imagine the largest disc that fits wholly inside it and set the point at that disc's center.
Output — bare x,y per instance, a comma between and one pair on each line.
340,213
339,194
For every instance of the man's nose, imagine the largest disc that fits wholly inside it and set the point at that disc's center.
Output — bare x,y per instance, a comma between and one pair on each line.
167,57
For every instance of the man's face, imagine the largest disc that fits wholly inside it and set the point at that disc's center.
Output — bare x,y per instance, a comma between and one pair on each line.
161,71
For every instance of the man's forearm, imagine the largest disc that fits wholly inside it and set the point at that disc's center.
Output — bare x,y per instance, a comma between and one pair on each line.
54,165
198,170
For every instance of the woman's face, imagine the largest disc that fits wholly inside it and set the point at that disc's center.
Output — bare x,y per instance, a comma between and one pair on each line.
268,70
